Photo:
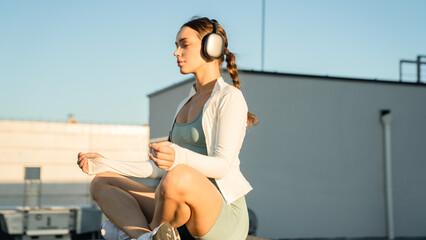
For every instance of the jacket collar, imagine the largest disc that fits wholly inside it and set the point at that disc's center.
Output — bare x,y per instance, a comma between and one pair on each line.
220,83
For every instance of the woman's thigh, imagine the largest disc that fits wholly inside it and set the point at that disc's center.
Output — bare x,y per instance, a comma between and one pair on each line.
143,194
192,188
232,223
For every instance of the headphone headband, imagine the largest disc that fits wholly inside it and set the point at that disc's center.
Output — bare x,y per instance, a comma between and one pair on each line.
214,22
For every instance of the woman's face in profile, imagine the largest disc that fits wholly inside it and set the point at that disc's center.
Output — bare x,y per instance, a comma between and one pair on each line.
188,51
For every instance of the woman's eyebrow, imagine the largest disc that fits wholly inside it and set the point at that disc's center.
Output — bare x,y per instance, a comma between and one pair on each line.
181,40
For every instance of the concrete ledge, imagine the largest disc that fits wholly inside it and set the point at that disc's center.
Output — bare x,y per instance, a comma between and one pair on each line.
255,238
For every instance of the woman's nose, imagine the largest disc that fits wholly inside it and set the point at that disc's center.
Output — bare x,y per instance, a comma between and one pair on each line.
177,53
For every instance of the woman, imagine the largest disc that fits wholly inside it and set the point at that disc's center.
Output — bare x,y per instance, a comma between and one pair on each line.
202,188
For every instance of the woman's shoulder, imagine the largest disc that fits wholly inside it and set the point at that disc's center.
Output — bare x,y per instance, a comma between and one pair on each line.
229,89
231,94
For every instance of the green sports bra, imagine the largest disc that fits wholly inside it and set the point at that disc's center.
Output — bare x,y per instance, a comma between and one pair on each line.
190,135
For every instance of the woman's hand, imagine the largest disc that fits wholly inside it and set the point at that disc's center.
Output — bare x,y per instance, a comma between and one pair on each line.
164,154
83,159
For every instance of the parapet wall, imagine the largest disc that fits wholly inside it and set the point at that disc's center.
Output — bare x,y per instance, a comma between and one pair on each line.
54,147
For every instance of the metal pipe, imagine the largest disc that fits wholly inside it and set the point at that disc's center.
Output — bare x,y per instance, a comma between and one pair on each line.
386,118
419,63
263,36
418,69
411,61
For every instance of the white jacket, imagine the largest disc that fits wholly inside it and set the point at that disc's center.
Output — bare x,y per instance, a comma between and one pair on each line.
224,124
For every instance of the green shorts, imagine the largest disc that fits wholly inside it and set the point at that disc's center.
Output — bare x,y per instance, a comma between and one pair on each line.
232,222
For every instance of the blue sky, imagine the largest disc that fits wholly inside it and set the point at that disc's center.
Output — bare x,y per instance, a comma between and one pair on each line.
99,59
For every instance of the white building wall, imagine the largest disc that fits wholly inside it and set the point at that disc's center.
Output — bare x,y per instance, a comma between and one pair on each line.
316,160
325,160
54,148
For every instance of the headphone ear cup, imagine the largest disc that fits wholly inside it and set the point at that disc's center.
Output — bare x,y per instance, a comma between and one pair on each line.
213,46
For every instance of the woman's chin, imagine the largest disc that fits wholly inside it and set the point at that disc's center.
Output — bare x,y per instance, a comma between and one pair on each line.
183,71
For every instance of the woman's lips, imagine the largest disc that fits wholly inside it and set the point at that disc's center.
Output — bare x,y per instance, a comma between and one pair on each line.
180,63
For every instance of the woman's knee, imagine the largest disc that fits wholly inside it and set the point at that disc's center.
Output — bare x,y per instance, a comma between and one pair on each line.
176,181
100,181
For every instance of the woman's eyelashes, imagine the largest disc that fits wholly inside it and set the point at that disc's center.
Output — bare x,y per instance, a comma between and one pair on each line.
184,45
181,46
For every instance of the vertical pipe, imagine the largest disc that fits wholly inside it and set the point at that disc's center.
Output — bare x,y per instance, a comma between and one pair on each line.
263,37
386,118
400,70
39,194
24,195
418,69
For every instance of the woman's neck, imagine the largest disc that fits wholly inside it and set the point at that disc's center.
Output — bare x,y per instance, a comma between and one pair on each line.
206,80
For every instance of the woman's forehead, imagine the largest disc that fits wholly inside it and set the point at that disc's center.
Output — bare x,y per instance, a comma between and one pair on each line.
186,33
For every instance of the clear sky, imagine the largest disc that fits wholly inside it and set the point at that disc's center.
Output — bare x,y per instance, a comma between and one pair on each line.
99,59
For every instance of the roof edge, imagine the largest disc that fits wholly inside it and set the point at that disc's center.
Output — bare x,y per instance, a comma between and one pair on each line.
359,79
328,77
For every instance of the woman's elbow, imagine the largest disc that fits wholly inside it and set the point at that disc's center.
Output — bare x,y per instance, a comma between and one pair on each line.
224,171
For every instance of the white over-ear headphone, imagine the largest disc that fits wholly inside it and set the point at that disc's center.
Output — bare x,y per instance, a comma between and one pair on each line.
213,43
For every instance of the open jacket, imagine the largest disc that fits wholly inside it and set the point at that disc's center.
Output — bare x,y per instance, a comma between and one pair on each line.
224,124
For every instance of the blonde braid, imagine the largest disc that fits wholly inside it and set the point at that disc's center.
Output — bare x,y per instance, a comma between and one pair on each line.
233,71
232,68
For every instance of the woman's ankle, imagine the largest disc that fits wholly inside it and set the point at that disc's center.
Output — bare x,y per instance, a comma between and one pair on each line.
137,233
150,226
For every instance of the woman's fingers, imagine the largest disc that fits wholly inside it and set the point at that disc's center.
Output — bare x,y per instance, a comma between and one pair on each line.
94,155
85,168
161,163
160,145
162,149
90,155
79,160
82,163
83,160
84,156
164,156
79,157
167,155
164,143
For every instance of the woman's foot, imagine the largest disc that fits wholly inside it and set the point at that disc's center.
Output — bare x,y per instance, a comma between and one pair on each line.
111,232
163,232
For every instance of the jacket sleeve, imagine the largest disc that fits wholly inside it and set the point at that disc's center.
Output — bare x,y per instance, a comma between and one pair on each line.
229,132
140,169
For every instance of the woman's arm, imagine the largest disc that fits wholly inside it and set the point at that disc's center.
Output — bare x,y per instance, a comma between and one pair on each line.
141,169
94,163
